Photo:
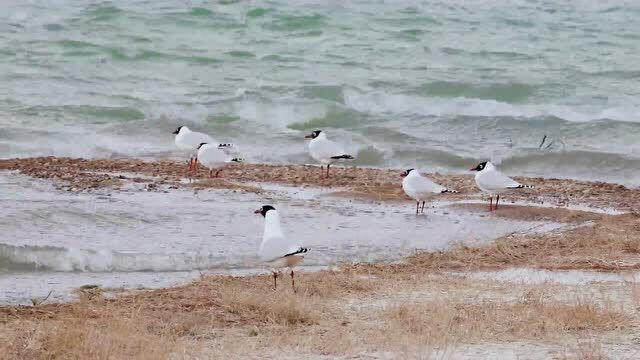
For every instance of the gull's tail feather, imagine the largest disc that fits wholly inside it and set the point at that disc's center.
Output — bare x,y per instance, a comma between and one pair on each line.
301,250
237,160
521,187
449,191
345,156
228,145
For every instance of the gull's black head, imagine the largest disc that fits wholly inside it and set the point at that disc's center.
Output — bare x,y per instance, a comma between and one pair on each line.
406,172
480,167
263,210
178,130
199,146
314,134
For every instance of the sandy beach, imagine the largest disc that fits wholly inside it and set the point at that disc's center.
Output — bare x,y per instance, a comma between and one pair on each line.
566,293
365,183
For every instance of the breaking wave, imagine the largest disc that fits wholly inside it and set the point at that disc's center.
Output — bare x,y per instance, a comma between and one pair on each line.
52,258
382,102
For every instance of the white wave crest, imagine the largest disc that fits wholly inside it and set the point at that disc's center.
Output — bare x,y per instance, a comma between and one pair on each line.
49,258
381,102
279,114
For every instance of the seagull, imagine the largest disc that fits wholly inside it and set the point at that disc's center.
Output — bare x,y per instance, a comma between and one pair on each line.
214,157
324,150
190,141
494,182
421,188
277,250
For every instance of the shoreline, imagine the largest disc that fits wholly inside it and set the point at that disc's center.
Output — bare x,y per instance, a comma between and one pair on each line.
408,308
363,183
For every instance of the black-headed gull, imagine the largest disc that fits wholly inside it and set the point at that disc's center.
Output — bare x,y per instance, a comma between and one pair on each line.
421,188
213,157
493,182
277,250
190,141
324,150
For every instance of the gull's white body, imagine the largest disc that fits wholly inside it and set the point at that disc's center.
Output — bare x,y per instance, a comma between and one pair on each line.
275,246
420,188
212,157
190,140
322,149
493,182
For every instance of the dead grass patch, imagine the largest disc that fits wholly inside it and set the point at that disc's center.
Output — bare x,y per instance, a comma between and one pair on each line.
114,338
313,293
280,307
86,338
531,317
243,316
346,281
610,244
153,324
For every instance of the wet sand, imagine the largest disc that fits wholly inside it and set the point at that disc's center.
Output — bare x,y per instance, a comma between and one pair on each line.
403,309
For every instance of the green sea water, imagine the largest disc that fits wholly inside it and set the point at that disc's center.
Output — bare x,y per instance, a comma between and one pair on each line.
437,85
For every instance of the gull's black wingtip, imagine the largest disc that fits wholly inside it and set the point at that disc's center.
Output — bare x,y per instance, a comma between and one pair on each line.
345,156
522,187
301,250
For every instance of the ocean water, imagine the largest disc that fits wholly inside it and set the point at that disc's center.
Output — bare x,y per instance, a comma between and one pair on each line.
439,85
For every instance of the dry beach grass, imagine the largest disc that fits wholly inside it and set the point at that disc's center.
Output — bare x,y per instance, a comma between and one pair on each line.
333,313
609,243
411,309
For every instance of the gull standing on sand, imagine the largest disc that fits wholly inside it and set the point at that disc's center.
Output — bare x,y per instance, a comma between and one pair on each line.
277,250
421,188
190,141
213,157
324,150
492,181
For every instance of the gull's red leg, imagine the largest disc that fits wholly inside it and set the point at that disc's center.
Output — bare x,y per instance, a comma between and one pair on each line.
190,169
497,199
422,210
275,280
490,203
293,282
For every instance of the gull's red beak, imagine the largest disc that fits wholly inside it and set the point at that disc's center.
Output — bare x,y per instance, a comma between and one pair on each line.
472,169
258,211
309,137
403,174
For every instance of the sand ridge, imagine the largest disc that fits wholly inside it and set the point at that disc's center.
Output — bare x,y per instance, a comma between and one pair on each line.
366,183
